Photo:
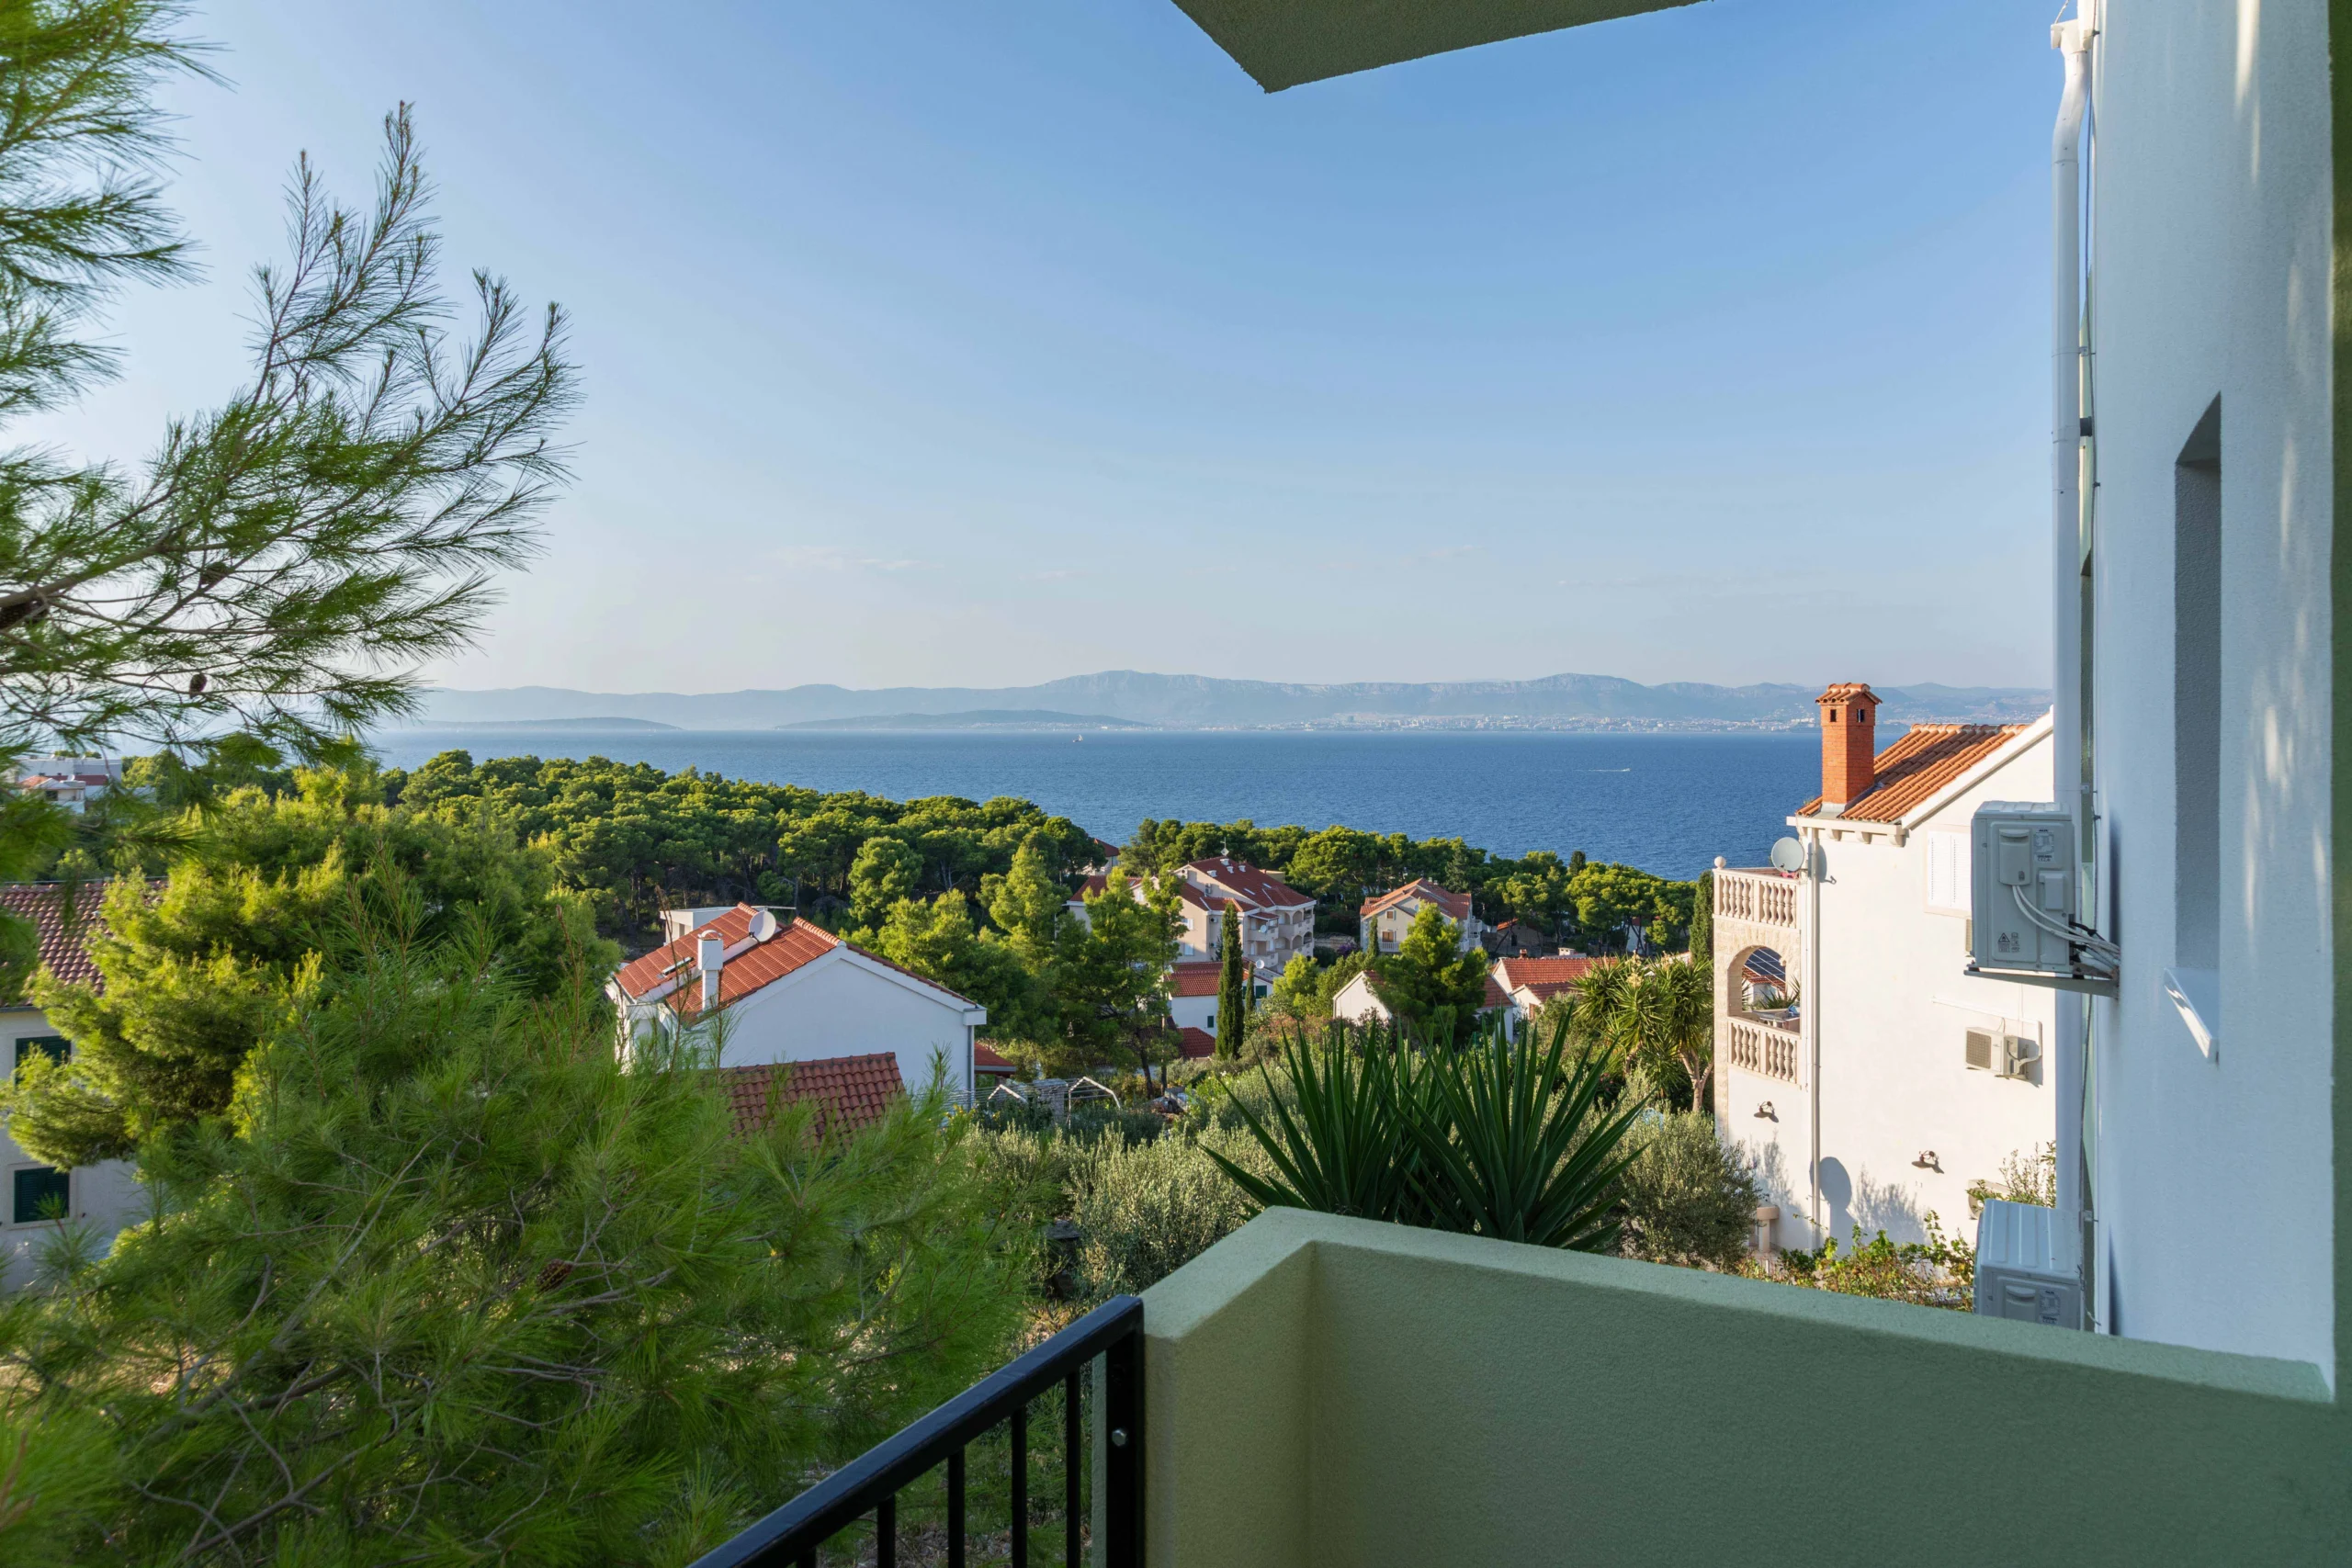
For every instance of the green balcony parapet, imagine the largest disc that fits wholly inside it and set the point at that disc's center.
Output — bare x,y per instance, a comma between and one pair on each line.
1326,1391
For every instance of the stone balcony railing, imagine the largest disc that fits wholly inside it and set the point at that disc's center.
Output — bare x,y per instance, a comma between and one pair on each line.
1758,1046
1763,898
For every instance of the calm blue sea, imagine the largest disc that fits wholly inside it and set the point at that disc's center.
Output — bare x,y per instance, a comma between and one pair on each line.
1669,803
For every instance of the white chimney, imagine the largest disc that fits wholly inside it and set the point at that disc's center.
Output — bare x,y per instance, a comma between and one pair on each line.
713,957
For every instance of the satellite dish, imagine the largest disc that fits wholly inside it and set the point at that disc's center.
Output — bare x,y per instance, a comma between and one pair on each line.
1787,856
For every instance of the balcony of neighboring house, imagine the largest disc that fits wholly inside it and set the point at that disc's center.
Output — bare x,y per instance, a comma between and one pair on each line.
1758,945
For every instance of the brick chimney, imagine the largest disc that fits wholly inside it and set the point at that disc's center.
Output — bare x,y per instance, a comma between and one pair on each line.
1849,745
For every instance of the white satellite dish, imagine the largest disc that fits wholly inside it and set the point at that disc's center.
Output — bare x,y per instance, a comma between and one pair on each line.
1787,856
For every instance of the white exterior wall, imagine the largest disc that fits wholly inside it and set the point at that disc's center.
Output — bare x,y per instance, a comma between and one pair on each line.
1891,1010
1193,1012
837,1007
2213,201
105,1196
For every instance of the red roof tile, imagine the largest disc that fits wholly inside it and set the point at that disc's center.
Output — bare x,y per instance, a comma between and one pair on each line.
66,929
850,1092
749,966
1198,978
1260,889
986,1060
1544,977
1455,906
1194,1043
1928,759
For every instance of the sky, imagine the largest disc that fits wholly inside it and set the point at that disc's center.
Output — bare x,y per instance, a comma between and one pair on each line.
980,343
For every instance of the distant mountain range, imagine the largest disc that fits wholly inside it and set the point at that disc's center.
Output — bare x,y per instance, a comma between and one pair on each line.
1202,701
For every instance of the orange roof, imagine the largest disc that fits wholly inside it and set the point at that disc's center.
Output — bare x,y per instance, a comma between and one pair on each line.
1198,978
1915,769
65,929
1846,691
850,1092
749,965
1260,889
986,1060
1193,1045
1455,906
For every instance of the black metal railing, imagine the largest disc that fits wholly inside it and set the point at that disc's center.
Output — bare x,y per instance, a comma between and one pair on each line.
871,1482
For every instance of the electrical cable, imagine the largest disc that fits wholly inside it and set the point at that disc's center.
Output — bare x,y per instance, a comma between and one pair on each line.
2110,956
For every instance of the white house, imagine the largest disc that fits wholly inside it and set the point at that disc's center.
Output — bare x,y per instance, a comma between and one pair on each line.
1386,919
1192,993
1277,919
791,991
105,1196
69,782
1359,1001
1895,1077
1528,983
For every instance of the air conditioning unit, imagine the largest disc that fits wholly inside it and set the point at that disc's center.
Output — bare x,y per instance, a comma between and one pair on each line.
2023,922
2025,1266
1982,1043
2020,1057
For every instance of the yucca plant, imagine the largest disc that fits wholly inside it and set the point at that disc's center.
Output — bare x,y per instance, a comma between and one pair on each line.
1339,1137
1514,1143
1499,1138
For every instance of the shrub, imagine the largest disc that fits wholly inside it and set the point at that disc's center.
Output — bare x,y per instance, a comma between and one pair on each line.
453,1285
2024,1178
1688,1199
1937,1272
1102,1121
1144,1210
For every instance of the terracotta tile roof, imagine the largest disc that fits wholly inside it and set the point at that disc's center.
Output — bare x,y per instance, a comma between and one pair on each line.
65,930
749,965
1543,979
1194,1043
1259,889
1455,906
986,1060
1095,887
1846,691
1198,978
850,1092
1916,768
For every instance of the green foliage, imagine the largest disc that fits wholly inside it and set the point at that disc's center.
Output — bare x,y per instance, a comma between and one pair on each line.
1937,1272
1232,990
1688,1199
936,939
283,562
1109,978
1515,1144
1703,923
1587,902
452,1285
886,871
229,952
1663,1021
1499,1138
2024,1178
1028,905
638,839
1432,985
1144,1210
1340,1136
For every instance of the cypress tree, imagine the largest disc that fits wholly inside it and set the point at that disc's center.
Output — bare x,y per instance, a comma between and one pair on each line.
1232,991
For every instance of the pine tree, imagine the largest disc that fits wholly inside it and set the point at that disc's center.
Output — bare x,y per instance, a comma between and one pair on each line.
1232,990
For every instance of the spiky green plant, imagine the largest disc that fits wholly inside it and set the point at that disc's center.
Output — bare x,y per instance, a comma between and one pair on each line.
1340,1134
1514,1143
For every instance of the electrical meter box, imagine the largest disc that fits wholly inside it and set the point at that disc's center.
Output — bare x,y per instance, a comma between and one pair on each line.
2022,851
2025,1270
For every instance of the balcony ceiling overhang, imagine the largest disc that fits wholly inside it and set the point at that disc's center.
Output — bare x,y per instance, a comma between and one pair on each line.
1285,42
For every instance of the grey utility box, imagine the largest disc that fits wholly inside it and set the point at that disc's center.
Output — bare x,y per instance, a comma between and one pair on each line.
2023,854
2025,1266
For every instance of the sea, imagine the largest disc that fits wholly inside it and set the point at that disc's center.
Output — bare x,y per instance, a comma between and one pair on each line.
1669,803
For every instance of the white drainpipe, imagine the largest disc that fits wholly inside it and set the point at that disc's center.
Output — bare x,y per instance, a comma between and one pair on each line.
712,956
2073,41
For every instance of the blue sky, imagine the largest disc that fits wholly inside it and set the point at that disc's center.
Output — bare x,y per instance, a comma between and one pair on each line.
978,343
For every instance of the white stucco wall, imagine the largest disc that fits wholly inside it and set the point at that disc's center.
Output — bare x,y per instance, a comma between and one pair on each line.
1893,1009
2212,1179
105,1196
837,1007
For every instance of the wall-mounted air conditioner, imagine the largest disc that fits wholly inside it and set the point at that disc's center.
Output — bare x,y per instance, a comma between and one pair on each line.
2003,1055
2025,1267
2023,922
